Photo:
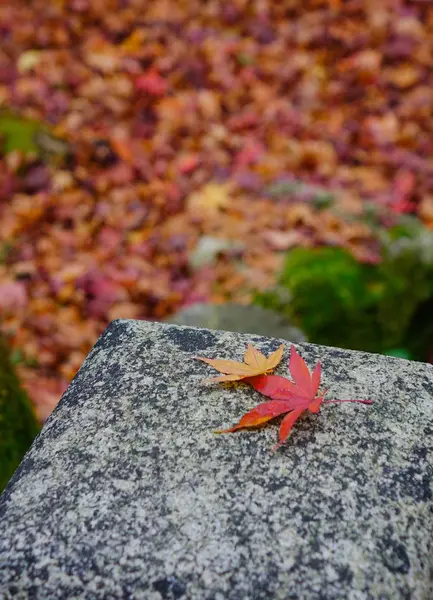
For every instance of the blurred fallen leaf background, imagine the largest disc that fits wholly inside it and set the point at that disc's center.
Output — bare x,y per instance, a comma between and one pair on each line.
155,155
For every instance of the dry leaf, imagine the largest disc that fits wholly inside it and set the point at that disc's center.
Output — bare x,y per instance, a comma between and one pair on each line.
287,397
255,363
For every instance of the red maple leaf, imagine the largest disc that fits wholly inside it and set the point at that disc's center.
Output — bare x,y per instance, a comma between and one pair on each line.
289,397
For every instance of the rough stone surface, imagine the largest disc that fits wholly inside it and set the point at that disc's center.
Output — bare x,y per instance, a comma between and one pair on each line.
238,318
127,493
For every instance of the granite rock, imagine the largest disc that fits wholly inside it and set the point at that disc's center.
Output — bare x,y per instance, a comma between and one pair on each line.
127,493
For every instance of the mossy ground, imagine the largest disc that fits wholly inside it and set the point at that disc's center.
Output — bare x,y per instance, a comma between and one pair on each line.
385,307
18,425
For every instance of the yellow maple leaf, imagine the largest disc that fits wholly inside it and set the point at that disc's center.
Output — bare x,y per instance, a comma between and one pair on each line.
255,363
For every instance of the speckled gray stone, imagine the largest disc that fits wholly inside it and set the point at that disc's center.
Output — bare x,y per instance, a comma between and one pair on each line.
238,318
127,493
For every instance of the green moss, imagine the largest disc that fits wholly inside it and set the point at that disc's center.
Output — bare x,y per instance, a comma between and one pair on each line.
18,133
330,297
18,425
30,136
336,301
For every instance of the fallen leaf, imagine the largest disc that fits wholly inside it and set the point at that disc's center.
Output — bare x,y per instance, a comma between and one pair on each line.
152,83
133,42
102,56
28,59
122,147
283,240
426,209
404,76
13,296
188,163
255,363
289,397
209,200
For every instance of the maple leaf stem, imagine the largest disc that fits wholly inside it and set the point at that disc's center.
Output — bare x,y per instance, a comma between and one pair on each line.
360,401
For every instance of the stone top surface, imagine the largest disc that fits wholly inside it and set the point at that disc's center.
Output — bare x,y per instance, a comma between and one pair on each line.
127,492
